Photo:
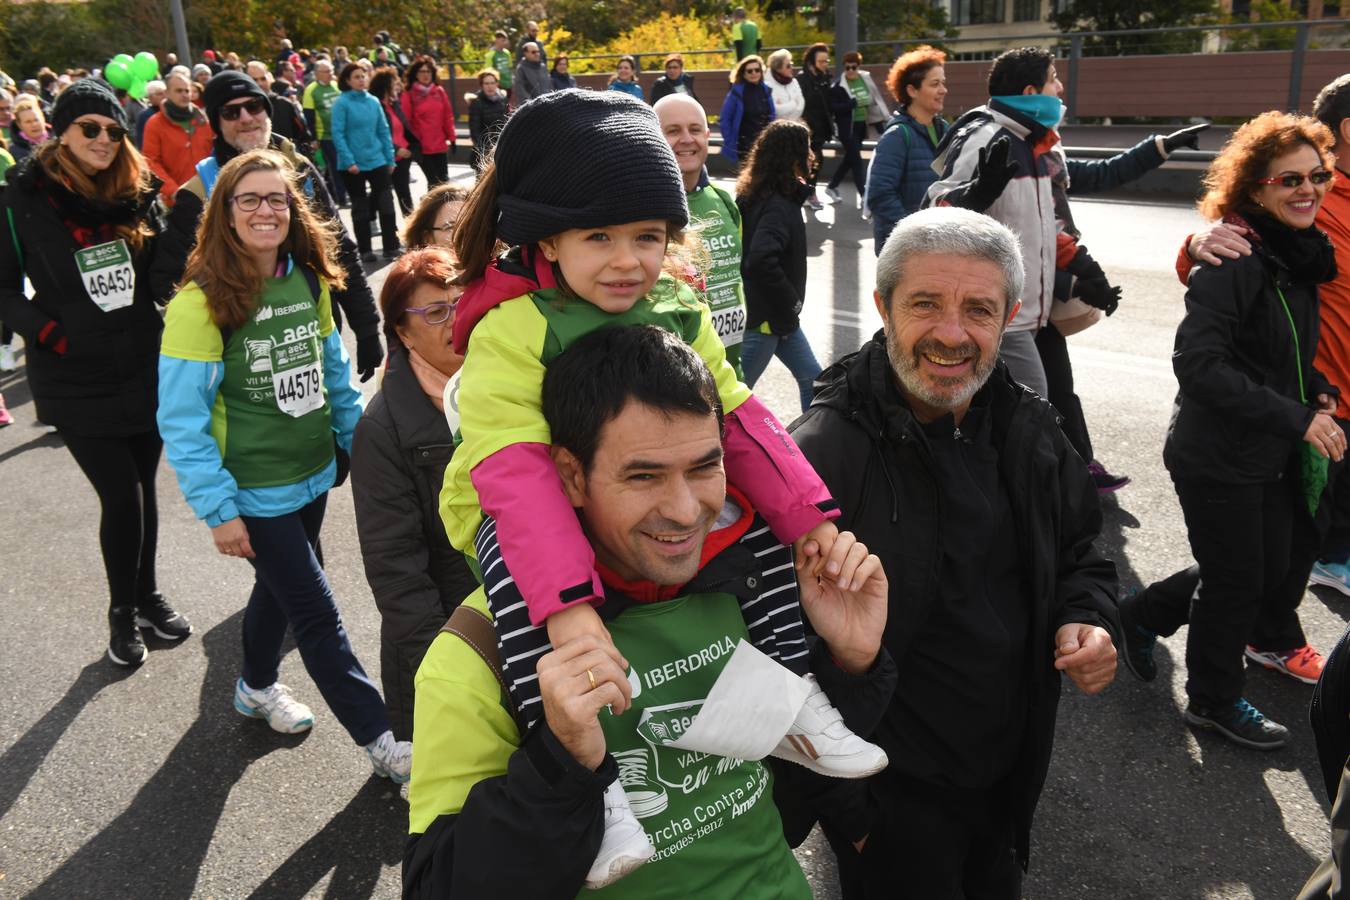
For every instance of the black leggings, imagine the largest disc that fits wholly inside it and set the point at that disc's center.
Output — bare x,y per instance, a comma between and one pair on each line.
436,168
122,471
853,161
1054,353
402,179
381,200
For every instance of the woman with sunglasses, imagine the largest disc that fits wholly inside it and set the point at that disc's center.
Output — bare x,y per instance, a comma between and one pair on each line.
868,108
1251,433
747,109
79,221
401,449
257,411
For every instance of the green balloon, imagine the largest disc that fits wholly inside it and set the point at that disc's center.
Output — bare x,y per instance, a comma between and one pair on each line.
118,75
137,89
145,66
124,59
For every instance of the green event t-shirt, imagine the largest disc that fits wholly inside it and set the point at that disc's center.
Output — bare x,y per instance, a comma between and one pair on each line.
501,61
712,819
747,33
861,98
720,222
320,98
270,419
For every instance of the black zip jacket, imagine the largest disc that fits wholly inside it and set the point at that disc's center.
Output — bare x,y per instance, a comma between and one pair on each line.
664,87
1237,418
486,117
773,262
399,454
870,451
534,831
818,115
106,383
355,301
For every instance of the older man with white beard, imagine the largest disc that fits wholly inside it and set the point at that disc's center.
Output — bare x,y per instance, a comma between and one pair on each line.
240,112
961,481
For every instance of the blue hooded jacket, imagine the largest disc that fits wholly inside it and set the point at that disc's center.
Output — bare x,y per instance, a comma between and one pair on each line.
902,170
733,109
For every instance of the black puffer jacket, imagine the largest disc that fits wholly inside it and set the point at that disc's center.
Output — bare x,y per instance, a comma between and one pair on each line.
486,117
1238,418
106,383
872,455
399,454
773,263
818,115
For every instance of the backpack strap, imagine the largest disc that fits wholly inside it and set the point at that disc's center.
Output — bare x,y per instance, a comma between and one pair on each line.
475,629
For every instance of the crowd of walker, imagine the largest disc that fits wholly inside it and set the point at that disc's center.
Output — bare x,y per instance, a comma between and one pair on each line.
638,636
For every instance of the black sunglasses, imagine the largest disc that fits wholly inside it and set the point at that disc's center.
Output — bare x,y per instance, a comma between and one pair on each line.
91,130
255,106
754,71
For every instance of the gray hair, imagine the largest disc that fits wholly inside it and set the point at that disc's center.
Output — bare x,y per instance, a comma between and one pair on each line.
779,58
955,231
155,85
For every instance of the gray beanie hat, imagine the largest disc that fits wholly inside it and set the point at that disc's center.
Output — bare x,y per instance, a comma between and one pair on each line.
584,159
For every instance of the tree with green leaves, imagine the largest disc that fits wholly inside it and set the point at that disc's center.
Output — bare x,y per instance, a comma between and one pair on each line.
1120,15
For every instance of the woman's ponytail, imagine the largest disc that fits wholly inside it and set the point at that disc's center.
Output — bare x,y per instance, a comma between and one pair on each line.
475,237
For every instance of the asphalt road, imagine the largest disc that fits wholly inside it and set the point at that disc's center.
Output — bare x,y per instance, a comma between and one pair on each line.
146,784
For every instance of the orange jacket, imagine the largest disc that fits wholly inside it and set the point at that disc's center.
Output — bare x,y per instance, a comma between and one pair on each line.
1333,348
173,151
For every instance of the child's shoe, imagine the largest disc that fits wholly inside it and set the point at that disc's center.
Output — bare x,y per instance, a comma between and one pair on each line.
820,741
624,846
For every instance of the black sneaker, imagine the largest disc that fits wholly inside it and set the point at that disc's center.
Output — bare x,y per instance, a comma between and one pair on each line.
155,613
1105,482
1138,640
1242,724
125,646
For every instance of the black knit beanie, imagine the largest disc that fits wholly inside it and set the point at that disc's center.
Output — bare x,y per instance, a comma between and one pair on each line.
584,159
87,95
226,86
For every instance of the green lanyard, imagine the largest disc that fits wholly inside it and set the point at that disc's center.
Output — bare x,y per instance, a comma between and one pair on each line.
1298,354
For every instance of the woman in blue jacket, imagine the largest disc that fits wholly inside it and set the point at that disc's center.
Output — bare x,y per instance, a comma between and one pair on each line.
625,78
902,166
365,152
747,110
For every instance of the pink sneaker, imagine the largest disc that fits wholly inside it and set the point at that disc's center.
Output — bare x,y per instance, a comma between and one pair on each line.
5,417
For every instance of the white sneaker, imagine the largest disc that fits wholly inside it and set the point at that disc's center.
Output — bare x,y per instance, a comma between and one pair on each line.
814,202
275,704
8,362
624,846
820,741
391,759
833,194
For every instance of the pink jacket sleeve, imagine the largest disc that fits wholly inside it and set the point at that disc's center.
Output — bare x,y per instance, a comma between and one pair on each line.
540,538
449,110
762,460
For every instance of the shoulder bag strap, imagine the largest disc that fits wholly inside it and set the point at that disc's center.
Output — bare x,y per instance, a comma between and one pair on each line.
475,629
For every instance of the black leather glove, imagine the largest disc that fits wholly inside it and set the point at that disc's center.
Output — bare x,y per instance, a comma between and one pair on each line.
369,355
1186,137
344,464
1090,283
992,174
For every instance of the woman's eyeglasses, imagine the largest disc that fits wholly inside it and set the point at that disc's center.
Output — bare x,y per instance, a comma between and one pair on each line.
755,71
256,106
436,313
91,131
1293,180
250,202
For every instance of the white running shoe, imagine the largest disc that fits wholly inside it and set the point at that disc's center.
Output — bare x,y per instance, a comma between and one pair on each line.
275,704
624,846
8,363
814,202
833,194
820,741
391,759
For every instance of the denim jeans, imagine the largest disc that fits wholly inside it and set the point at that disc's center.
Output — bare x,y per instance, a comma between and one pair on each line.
290,588
793,349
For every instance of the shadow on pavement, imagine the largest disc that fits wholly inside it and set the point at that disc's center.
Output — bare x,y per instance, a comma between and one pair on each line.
134,855
349,846
41,441
23,758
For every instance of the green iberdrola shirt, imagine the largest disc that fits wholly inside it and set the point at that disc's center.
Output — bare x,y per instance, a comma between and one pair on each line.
501,61
717,832
320,98
861,98
713,210
270,418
